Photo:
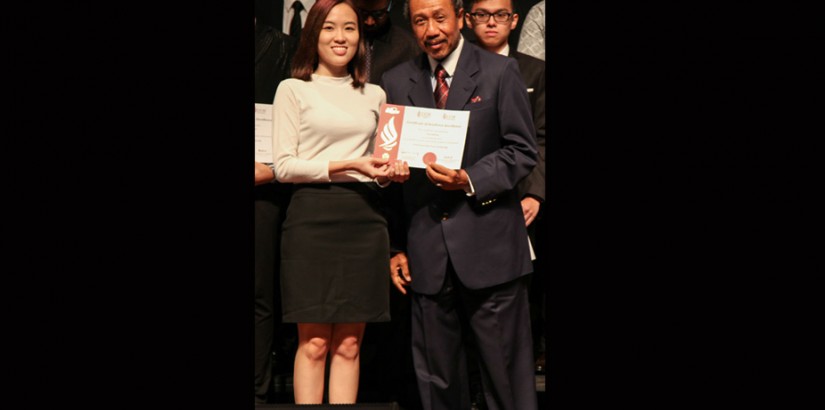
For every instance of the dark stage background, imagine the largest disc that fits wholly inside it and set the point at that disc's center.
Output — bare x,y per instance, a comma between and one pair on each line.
267,12
683,141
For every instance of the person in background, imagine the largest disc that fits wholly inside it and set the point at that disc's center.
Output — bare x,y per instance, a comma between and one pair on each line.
295,15
531,39
387,45
335,240
492,21
467,256
387,375
273,56
286,16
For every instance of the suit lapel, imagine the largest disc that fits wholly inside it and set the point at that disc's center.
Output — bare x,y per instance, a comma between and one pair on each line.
421,91
464,83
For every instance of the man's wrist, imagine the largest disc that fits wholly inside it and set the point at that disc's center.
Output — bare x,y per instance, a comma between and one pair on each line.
468,188
533,197
274,175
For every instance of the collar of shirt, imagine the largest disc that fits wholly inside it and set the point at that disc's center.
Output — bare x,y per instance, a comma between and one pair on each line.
288,9
306,3
287,18
505,51
449,63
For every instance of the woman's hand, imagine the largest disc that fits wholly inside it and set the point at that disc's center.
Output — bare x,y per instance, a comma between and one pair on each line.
371,167
399,171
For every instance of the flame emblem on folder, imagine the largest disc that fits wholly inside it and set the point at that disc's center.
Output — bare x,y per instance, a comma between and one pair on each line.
389,135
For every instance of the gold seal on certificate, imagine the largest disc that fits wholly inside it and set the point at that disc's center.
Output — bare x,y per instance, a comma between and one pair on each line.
421,135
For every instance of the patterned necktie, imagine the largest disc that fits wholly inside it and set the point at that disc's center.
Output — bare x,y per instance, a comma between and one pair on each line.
295,26
441,88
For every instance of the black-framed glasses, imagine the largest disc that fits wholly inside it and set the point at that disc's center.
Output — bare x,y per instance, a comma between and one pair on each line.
375,14
483,16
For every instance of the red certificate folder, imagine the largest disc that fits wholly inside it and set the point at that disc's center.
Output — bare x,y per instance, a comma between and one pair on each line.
388,133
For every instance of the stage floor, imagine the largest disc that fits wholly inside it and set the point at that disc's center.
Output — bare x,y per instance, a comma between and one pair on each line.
284,397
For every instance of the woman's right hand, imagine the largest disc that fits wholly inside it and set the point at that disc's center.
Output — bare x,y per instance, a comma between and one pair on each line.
371,167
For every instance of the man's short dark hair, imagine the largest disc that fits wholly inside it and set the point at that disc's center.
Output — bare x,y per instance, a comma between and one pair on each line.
471,3
457,4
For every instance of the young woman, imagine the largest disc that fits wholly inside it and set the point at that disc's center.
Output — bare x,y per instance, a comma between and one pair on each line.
335,244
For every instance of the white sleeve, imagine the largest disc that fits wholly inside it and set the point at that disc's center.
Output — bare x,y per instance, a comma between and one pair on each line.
286,123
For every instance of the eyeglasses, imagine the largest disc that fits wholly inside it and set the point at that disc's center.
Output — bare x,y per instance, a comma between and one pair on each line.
483,16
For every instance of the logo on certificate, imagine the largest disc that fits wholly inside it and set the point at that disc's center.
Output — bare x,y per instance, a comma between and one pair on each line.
389,135
388,132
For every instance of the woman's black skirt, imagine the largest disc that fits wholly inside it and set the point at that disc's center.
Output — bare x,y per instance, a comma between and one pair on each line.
335,255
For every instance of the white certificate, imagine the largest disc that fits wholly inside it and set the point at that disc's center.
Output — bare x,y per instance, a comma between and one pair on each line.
421,135
263,134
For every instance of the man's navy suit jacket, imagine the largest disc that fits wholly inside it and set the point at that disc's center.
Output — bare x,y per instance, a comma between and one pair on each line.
483,235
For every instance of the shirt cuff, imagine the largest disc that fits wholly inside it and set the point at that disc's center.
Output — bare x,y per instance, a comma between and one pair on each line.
389,181
469,191
274,177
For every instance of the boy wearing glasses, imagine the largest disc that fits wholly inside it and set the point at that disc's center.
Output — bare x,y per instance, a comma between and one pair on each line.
491,22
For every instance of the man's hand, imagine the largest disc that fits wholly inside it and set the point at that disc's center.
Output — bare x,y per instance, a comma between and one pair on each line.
446,178
530,207
263,174
400,272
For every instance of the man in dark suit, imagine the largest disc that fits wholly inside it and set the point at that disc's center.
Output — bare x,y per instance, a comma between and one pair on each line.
492,22
467,255
388,45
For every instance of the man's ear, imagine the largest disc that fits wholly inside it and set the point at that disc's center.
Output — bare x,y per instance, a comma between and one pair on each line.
514,21
468,20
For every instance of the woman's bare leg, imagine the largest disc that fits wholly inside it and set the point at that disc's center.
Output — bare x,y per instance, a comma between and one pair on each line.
345,365
310,361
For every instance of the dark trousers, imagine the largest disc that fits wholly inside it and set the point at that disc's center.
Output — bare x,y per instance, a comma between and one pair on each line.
537,287
270,208
499,321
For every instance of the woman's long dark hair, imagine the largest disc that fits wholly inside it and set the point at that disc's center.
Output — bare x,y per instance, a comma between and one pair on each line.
305,61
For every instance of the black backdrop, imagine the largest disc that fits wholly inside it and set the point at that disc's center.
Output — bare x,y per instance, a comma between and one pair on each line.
267,10
683,145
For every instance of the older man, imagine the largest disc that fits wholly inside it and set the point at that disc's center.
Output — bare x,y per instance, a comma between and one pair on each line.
467,255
